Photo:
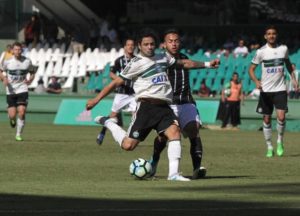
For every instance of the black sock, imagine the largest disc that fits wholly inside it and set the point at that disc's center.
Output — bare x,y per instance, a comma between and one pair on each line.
196,152
158,148
103,131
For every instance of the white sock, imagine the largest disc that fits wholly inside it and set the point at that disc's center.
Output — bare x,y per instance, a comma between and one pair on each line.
117,132
174,155
280,130
20,126
267,129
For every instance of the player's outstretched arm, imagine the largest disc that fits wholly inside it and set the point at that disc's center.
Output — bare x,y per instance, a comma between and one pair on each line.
189,64
253,77
104,92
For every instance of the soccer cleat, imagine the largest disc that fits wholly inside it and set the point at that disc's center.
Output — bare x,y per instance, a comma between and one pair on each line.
199,173
12,123
19,138
270,153
100,138
102,119
280,149
154,167
178,177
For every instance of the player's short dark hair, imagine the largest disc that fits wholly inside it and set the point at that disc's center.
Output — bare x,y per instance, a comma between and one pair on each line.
270,27
171,31
146,32
127,39
18,44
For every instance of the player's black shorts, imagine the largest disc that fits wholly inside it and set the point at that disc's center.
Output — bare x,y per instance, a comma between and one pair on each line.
150,116
15,100
269,100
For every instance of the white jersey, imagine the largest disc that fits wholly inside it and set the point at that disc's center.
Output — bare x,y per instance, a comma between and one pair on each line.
272,60
16,72
149,76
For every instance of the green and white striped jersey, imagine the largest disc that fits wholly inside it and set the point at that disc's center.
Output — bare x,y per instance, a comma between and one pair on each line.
272,60
16,72
149,75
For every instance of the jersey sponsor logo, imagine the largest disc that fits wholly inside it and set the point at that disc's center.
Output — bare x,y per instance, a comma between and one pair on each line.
160,79
275,70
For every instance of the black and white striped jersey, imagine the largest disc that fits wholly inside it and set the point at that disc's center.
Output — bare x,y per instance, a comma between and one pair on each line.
120,64
179,78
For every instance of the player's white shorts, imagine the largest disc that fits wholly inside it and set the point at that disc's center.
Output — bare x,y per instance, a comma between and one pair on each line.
123,102
186,113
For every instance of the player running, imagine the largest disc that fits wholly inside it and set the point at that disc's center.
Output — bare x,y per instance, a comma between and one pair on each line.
16,82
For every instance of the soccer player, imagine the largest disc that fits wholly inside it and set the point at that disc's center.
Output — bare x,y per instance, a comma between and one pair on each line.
154,94
124,98
183,106
16,82
272,56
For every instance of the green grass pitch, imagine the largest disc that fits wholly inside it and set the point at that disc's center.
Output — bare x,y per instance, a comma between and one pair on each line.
60,170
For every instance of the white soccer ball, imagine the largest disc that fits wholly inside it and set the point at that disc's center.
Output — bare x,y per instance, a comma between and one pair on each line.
140,168
227,92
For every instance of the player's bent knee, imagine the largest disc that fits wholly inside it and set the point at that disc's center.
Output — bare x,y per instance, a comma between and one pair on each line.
129,144
127,147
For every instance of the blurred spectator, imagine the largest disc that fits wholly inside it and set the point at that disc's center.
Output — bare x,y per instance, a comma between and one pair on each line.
93,34
24,49
77,42
228,45
32,31
113,37
204,91
8,52
232,96
241,50
50,31
40,87
54,87
291,91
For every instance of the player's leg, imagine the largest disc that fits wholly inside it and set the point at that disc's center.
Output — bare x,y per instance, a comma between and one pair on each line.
101,135
118,133
280,130
189,121
135,134
196,148
12,109
267,130
280,103
160,143
265,107
116,107
174,153
20,122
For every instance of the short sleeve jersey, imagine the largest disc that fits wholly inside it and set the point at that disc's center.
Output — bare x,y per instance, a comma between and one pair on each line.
272,60
16,72
120,64
150,77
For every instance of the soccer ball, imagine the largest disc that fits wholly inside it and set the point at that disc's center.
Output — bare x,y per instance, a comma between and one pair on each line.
140,168
227,92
